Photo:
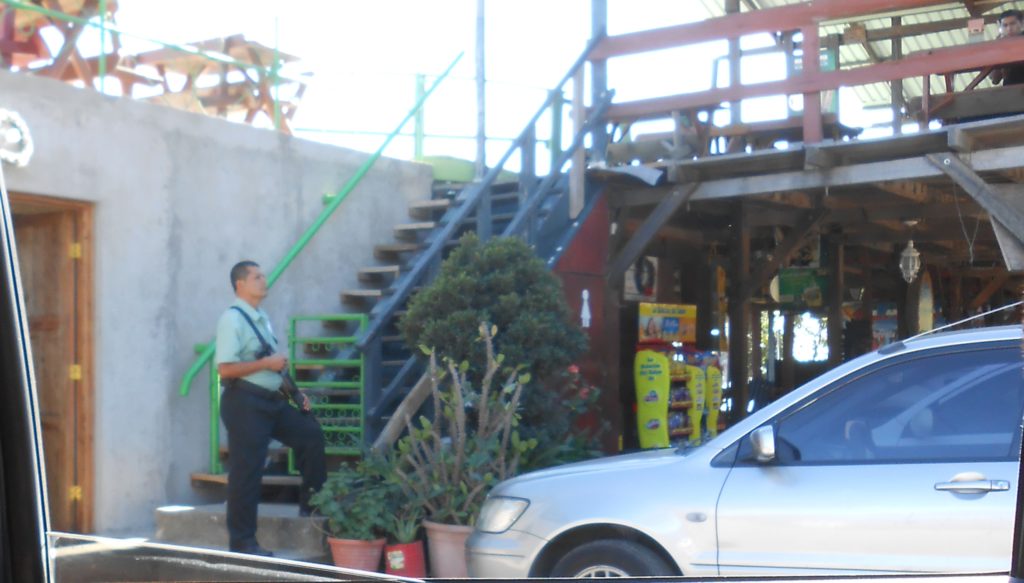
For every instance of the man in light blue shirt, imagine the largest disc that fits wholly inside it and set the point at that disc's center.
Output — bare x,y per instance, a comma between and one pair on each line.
255,411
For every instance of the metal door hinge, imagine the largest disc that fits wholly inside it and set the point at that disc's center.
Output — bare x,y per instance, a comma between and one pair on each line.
75,493
75,251
75,372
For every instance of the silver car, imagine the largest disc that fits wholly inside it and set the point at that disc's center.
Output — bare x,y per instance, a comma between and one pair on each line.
902,460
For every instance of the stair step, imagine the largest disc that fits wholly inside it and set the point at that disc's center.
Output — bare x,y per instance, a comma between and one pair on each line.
426,208
391,249
410,231
200,478
369,274
330,392
272,452
321,364
358,295
280,528
392,362
394,338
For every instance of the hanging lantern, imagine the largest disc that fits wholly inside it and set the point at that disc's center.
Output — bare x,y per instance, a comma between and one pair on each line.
910,262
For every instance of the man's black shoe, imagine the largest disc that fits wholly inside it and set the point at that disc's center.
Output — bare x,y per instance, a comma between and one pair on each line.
254,550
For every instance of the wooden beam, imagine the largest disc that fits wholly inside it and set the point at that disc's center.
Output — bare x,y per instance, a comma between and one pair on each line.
765,269
913,191
789,17
679,234
936,61
868,173
739,313
654,222
993,285
907,30
974,185
835,302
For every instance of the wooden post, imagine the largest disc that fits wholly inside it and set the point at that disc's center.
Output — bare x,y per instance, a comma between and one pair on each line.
867,301
481,118
576,173
813,132
739,313
788,362
756,352
735,107
956,302
913,304
896,85
835,305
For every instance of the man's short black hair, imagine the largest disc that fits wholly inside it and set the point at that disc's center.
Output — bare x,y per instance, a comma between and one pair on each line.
240,271
1014,13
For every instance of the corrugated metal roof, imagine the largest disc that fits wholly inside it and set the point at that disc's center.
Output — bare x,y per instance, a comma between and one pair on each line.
879,94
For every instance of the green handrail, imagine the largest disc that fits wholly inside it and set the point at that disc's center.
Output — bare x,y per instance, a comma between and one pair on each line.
334,202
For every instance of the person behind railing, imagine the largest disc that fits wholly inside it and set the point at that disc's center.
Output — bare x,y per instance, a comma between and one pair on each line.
1010,23
254,410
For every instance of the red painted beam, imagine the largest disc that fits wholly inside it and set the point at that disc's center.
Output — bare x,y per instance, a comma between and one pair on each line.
791,17
934,62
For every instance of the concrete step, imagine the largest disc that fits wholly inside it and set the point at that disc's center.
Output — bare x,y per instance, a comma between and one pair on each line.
280,530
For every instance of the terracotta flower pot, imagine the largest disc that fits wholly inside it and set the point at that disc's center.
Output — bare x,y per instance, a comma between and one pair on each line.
356,554
405,560
446,547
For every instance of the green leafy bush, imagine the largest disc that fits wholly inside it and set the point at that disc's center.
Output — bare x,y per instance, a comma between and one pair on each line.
357,501
450,462
503,283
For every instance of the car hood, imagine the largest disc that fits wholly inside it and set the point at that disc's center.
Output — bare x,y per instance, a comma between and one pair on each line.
633,464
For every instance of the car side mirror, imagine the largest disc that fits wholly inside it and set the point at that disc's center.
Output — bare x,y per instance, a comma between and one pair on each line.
763,442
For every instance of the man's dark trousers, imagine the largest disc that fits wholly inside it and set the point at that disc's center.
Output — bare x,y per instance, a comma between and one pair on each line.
252,420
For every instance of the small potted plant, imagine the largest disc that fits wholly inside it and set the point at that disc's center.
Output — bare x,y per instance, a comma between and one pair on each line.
449,463
355,502
403,556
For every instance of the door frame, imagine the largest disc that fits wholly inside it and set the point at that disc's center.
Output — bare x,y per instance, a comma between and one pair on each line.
82,221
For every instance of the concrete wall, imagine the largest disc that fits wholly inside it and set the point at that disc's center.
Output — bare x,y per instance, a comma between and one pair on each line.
178,199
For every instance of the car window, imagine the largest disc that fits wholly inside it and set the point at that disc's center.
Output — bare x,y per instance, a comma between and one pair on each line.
963,405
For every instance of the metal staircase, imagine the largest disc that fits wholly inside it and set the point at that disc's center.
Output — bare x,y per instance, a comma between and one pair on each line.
533,207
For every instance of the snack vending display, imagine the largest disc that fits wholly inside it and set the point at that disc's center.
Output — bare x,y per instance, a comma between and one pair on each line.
713,391
678,389
679,402
651,376
695,383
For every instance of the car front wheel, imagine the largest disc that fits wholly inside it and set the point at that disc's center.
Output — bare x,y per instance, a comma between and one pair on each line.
611,558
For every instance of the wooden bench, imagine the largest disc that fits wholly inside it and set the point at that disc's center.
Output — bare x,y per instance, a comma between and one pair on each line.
696,141
963,105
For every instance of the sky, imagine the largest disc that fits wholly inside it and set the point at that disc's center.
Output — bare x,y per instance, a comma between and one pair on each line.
364,57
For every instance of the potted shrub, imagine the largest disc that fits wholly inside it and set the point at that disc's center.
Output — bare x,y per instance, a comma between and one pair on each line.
450,462
355,503
503,282
403,555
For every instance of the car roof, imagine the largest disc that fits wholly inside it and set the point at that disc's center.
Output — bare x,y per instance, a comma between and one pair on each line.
937,339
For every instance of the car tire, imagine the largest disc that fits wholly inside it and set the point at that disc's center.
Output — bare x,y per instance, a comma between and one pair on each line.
611,558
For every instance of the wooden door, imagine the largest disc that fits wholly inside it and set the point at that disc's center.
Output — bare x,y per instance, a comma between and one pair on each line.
48,272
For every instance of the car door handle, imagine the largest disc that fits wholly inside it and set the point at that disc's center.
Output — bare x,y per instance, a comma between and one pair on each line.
974,486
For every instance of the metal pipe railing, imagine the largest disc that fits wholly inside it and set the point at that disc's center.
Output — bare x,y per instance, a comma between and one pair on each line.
469,201
333,204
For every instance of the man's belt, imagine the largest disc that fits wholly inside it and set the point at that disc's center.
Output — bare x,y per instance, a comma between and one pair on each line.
253,389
